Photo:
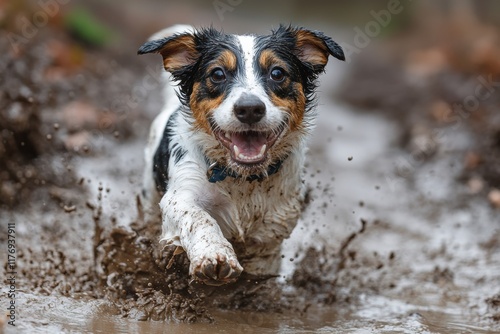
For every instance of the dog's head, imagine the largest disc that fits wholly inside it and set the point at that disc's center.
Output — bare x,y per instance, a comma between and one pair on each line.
250,95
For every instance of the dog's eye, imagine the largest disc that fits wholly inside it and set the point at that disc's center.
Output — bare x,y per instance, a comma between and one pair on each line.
277,74
218,75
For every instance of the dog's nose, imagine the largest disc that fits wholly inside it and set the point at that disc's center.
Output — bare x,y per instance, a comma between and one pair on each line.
249,109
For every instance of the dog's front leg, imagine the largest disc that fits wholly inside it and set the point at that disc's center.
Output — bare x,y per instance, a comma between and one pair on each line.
212,257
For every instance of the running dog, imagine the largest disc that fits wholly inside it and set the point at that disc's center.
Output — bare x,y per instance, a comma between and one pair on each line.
225,157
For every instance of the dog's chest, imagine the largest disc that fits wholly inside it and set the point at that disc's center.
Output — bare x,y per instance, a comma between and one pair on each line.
260,212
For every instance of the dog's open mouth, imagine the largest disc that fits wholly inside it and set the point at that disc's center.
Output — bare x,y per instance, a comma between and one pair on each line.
248,147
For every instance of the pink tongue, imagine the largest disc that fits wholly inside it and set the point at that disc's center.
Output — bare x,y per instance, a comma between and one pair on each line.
249,143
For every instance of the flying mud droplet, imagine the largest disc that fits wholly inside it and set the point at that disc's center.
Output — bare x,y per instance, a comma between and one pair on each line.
69,209
494,197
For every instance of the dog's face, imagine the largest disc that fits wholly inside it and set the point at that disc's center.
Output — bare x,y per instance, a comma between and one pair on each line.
251,95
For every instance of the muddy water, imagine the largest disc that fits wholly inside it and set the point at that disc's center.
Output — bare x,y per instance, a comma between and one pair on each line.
425,259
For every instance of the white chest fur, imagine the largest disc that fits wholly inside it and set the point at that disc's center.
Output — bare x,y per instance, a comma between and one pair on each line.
260,210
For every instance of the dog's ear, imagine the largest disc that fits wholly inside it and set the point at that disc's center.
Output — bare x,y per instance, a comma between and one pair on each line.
178,51
313,47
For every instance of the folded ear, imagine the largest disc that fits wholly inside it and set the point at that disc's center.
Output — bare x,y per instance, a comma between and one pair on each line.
178,51
314,47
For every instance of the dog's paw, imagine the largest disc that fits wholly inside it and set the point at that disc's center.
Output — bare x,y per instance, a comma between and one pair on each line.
216,268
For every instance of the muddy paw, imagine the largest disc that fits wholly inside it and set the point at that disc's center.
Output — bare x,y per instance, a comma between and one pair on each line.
217,269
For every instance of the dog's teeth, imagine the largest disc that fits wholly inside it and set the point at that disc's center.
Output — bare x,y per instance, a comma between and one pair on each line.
227,135
262,150
241,156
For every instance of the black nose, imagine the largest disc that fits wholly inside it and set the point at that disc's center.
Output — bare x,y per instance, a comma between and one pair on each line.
249,109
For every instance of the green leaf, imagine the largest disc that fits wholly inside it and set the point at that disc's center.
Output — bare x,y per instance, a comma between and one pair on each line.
87,28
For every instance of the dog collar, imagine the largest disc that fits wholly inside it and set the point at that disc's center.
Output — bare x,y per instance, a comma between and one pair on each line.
217,173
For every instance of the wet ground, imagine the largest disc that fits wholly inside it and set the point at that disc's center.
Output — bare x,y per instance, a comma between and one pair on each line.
402,234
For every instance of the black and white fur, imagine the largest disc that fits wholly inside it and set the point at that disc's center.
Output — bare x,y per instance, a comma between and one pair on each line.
255,114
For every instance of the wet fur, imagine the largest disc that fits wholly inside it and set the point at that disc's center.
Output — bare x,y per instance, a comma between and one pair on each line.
234,224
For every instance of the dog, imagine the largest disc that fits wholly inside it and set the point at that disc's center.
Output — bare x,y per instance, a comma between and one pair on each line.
225,157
